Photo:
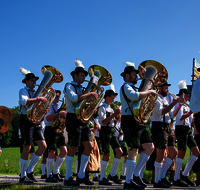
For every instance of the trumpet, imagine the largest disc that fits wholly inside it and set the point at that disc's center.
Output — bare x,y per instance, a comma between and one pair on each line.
185,104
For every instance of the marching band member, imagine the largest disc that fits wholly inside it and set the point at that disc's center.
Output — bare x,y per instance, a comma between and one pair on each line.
184,137
163,137
108,137
54,141
77,131
29,130
133,132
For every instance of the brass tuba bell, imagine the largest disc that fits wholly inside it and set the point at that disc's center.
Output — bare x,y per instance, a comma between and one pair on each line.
6,117
37,111
99,76
152,74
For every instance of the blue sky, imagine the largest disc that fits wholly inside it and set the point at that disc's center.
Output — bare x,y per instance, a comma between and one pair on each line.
107,33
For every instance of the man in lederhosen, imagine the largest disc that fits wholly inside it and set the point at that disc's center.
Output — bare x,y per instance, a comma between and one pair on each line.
29,130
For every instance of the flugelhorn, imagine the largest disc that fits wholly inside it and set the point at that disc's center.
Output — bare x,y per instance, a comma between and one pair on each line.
183,103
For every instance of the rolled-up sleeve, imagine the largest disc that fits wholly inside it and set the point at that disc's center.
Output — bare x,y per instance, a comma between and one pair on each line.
130,93
69,90
101,114
23,97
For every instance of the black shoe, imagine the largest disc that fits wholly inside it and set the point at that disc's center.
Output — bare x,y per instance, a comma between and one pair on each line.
145,181
132,185
122,177
197,182
84,180
51,179
179,183
70,182
25,180
96,178
57,177
44,176
115,179
31,177
104,182
74,174
61,176
164,180
139,181
186,180
160,184
20,175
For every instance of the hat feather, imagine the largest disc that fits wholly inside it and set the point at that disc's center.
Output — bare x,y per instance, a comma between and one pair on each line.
78,63
182,84
129,64
24,71
112,87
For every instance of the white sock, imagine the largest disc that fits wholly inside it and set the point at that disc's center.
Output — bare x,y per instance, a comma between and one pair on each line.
83,165
76,167
103,169
115,164
165,167
124,169
158,167
178,164
43,168
95,175
22,164
192,159
33,162
29,161
130,165
141,172
49,166
141,162
69,162
58,163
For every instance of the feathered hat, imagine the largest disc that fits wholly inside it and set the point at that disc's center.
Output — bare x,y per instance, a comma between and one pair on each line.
183,88
129,67
28,75
111,91
79,68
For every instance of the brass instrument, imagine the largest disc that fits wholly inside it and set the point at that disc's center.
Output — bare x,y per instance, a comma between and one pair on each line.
152,74
185,104
6,117
37,111
59,122
99,76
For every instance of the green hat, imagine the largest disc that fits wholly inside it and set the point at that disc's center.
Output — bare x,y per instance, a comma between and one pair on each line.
165,84
78,70
109,93
185,91
129,69
29,76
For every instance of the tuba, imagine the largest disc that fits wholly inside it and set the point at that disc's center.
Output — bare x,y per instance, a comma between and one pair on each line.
99,76
37,111
6,117
152,74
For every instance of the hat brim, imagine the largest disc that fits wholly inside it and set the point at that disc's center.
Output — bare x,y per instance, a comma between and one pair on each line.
115,94
76,72
24,80
124,73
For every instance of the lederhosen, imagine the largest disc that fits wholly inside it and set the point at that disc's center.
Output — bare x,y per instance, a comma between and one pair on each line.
108,137
77,131
134,134
29,130
184,136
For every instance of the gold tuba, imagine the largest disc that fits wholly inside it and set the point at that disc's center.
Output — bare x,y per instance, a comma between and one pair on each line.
59,122
99,76
6,117
37,111
152,74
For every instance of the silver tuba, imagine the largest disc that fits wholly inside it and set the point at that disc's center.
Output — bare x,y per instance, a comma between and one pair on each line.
152,74
99,77
37,111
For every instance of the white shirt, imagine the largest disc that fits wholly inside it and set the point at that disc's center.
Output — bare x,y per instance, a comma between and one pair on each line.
24,94
53,109
42,123
118,126
157,112
183,110
195,97
102,114
96,133
71,96
131,94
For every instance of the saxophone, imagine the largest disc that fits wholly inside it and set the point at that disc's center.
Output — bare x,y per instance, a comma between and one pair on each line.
59,122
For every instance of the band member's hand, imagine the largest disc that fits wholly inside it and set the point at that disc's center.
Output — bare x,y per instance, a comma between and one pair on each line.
175,100
96,127
152,91
62,113
117,111
43,99
94,94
